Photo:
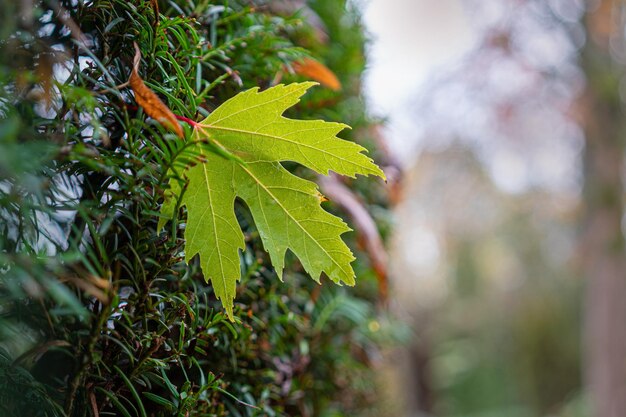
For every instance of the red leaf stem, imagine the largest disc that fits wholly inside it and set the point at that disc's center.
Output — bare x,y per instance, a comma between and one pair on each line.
186,120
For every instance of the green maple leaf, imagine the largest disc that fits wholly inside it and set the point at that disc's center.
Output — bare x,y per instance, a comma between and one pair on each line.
286,209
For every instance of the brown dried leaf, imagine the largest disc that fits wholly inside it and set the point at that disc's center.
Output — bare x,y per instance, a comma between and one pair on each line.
317,71
149,101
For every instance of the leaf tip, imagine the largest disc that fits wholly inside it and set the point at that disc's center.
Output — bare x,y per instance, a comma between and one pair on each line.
279,271
381,174
229,312
350,282
308,84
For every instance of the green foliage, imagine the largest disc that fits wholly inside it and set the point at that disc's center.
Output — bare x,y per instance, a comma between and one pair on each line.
98,312
286,209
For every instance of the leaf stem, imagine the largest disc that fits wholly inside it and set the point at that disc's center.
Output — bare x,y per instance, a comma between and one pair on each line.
186,120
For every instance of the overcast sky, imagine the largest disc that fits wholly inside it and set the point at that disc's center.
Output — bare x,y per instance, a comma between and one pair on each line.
410,40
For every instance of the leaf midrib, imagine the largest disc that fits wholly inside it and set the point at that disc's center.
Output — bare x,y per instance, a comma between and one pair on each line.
297,144
217,244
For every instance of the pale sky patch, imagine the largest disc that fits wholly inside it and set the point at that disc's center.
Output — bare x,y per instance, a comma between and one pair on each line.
411,39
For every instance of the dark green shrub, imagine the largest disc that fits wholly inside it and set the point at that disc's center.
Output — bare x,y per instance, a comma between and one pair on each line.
99,315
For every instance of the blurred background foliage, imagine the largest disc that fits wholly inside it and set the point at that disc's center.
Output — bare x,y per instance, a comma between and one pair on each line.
508,257
99,315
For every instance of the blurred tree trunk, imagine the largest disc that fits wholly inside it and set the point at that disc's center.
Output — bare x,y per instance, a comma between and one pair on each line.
603,240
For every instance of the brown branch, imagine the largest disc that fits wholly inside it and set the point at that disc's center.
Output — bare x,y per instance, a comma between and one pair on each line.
364,225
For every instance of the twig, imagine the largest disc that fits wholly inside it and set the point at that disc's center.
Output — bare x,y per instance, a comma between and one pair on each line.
87,359
111,89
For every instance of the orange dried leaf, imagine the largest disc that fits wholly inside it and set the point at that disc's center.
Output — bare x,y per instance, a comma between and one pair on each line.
317,71
149,101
